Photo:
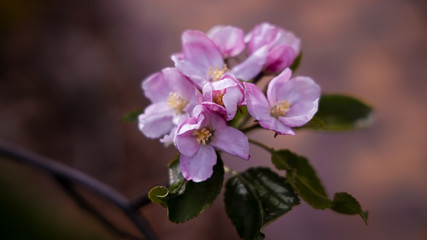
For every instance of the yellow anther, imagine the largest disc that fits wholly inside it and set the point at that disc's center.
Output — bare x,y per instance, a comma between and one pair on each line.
218,99
280,109
216,73
176,102
203,136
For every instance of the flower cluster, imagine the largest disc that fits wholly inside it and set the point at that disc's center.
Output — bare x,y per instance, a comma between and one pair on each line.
214,76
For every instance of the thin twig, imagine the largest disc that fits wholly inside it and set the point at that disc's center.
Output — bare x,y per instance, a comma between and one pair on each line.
83,203
69,174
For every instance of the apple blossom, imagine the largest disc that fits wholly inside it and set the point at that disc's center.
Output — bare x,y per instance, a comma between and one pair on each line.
199,136
173,97
289,103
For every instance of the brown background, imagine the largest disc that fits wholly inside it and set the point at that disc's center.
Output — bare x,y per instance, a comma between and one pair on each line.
71,69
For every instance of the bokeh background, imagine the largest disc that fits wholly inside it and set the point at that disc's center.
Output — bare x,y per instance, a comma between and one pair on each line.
69,70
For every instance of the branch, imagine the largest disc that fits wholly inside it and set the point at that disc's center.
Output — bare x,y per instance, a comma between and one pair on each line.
67,174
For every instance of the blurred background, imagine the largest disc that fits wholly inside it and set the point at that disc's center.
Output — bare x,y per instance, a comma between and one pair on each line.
69,70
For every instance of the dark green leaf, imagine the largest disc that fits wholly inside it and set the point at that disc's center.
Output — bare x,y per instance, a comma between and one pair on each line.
196,197
302,178
177,182
340,113
294,66
347,204
158,195
256,197
132,116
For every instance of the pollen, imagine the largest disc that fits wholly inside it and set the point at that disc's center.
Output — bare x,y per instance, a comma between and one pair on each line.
176,102
280,109
203,136
218,99
215,73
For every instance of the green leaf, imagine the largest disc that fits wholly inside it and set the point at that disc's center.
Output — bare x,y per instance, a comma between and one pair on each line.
302,178
347,204
191,198
158,195
177,182
294,66
315,123
341,113
256,197
132,116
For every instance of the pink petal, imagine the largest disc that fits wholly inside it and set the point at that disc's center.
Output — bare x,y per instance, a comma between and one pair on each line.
231,99
156,120
197,75
156,87
215,107
279,58
263,34
298,89
304,96
230,40
198,167
257,103
276,125
198,56
253,65
184,140
232,141
274,93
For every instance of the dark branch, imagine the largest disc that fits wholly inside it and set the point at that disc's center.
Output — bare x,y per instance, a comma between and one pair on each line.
67,174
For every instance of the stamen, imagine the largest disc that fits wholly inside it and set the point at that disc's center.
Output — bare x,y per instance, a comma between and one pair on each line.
203,136
216,73
218,99
280,109
176,102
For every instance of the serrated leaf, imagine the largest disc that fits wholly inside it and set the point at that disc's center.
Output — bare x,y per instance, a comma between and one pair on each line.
302,177
295,64
158,195
177,182
347,204
196,197
256,197
341,113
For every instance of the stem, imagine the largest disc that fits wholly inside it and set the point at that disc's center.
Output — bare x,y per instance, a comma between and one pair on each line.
66,175
261,145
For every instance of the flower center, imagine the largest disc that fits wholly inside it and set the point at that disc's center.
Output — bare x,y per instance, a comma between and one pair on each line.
216,73
176,102
280,109
203,136
218,99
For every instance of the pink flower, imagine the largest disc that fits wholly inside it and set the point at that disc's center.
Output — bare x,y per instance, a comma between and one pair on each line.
283,46
289,103
228,39
199,136
202,59
173,98
224,96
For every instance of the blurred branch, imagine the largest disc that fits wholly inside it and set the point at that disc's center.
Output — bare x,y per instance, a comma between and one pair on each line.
66,176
